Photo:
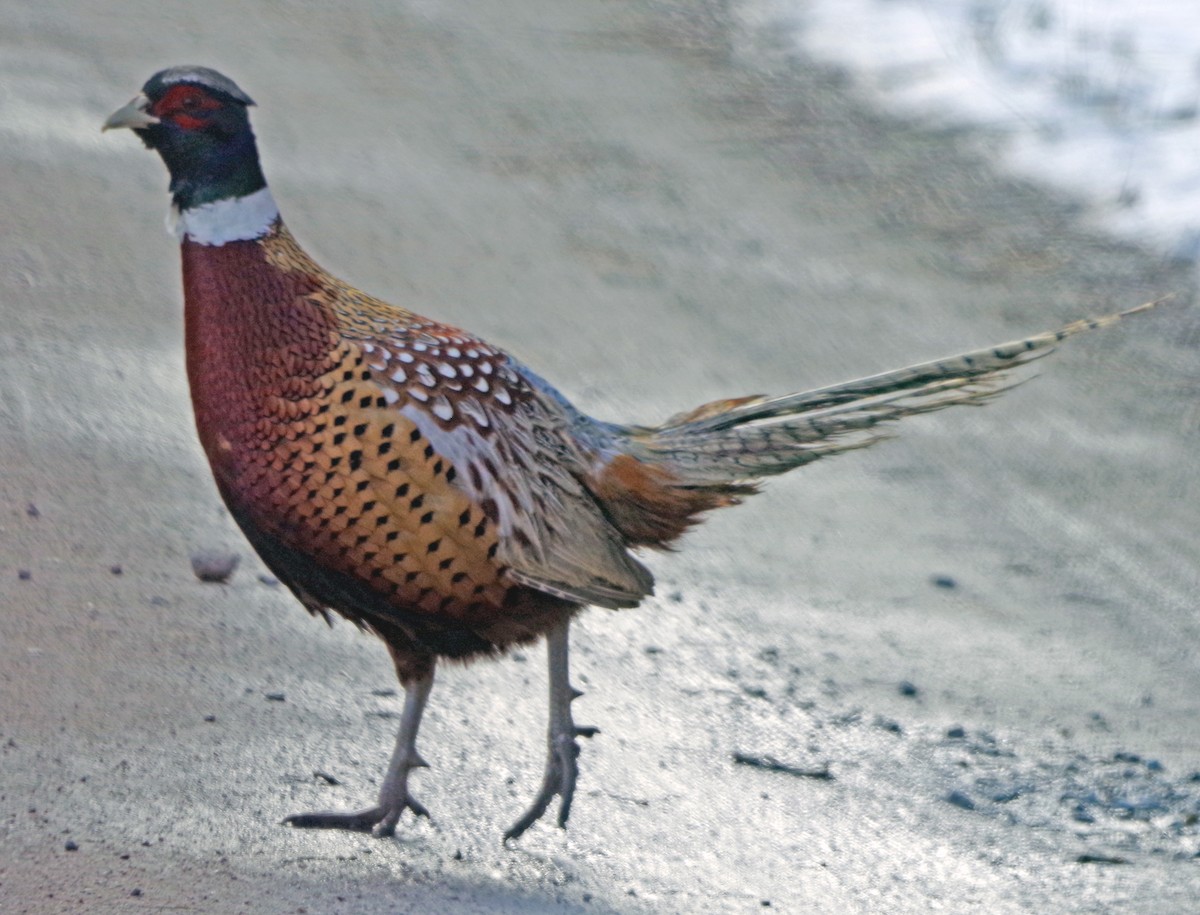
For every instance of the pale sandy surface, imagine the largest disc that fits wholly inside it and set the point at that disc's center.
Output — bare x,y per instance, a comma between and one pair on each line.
654,209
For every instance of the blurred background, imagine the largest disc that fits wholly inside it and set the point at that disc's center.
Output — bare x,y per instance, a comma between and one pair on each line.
984,630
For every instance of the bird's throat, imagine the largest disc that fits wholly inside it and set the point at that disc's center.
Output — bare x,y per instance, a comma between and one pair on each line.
229,219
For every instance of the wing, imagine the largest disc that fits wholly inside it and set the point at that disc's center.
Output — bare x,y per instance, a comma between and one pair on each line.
510,440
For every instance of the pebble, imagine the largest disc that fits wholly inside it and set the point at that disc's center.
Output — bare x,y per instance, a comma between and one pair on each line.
24,574
959,799
943,581
214,565
907,689
71,845
891,725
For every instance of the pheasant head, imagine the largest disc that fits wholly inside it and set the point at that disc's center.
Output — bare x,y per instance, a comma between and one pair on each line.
196,119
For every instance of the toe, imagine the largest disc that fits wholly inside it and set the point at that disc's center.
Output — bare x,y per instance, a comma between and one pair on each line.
355,821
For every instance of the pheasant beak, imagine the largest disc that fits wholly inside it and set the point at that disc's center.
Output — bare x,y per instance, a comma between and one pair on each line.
134,115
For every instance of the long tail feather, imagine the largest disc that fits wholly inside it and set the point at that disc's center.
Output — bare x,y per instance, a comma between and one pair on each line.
760,436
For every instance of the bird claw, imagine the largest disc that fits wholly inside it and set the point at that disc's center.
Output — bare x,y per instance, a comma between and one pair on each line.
380,820
562,771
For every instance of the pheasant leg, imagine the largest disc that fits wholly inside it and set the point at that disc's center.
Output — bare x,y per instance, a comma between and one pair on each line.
562,767
394,797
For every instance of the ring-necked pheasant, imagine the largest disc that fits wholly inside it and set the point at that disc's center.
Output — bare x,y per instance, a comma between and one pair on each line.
423,483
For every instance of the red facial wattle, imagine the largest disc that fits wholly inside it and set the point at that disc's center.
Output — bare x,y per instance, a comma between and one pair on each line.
187,106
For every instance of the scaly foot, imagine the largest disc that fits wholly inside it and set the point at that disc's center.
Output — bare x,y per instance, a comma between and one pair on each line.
562,768
394,798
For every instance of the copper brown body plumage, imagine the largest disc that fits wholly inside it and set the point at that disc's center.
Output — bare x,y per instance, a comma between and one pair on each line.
424,484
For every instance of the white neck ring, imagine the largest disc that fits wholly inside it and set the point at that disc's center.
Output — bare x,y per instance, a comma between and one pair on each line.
231,219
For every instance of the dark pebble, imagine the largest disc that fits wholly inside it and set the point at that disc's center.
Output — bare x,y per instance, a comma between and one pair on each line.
136,891
326,777
1091,858
32,511
958,732
943,581
652,649
675,597
890,725
210,718
907,689
771,764
276,697
458,855
71,845
116,570
24,574
959,799
214,565
383,693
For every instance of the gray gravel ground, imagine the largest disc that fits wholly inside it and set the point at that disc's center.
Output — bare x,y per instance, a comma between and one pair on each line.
984,632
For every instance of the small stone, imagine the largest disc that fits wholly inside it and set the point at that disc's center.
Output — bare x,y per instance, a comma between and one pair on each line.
907,689
116,570
959,799
276,697
71,845
943,581
891,725
214,565
210,718
32,511
24,574
958,732
136,891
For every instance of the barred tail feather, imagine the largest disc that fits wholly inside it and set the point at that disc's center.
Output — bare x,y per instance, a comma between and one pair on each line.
736,440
